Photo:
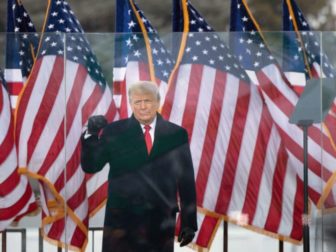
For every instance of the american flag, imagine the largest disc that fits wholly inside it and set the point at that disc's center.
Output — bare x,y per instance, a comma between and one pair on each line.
280,98
139,54
302,56
241,166
16,195
21,47
65,87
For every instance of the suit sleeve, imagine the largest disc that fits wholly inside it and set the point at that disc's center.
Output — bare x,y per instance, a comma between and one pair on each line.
186,186
93,153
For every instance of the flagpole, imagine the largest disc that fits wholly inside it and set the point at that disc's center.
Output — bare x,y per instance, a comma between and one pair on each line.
305,218
281,246
225,236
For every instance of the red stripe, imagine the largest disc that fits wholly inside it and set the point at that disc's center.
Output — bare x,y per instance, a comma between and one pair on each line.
58,142
287,108
169,99
314,165
78,237
258,164
143,72
97,198
193,94
330,122
116,87
296,232
31,208
14,88
13,210
211,134
57,228
10,183
275,211
123,111
111,112
75,96
239,122
46,105
3,92
8,143
25,97
206,231
91,103
78,197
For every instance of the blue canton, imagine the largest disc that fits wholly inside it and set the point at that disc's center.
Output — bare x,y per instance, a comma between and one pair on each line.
205,47
130,46
73,45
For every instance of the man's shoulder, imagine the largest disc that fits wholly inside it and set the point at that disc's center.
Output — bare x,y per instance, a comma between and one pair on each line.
173,127
117,125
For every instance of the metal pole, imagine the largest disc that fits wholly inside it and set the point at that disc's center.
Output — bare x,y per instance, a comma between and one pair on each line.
305,191
40,240
4,241
281,246
305,219
225,236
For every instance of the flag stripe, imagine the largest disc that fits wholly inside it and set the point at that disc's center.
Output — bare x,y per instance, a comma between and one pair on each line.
47,103
211,134
192,98
225,191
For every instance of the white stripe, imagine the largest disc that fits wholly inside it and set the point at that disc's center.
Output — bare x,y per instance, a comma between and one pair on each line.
315,181
253,77
273,74
72,184
12,197
97,180
296,78
180,96
119,73
247,151
50,128
221,144
202,115
288,201
33,106
266,183
5,115
132,76
296,134
13,75
200,218
8,166
14,100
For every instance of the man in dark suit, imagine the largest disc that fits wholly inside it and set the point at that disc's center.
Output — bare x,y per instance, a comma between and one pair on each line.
151,176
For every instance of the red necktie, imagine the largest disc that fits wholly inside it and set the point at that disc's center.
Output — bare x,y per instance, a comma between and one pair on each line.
148,138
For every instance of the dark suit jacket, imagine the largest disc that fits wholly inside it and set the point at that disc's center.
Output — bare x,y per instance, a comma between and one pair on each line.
140,182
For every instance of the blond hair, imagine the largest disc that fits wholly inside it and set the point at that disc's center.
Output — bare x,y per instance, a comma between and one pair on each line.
144,87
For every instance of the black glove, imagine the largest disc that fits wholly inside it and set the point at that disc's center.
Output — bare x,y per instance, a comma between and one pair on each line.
96,123
186,236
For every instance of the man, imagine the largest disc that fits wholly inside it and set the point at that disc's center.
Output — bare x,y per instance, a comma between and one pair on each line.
150,165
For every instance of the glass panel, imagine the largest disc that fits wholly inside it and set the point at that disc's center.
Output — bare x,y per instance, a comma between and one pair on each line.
234,95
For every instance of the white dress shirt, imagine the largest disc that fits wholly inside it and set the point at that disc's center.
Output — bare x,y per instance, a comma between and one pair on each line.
152,130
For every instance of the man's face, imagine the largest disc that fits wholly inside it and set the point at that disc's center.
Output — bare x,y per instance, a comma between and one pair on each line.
144,106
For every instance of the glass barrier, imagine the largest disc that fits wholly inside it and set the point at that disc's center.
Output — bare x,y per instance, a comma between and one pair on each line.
258,126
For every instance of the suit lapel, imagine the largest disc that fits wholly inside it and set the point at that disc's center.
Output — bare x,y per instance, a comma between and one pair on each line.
157,136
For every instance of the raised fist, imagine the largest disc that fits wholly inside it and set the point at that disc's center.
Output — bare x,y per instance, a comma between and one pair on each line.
96,123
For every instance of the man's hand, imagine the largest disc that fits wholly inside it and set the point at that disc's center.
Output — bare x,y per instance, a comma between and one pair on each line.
96,123
185,237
